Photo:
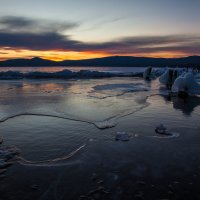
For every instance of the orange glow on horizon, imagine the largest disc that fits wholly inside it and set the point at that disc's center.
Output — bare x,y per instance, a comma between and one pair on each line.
56,55
6,54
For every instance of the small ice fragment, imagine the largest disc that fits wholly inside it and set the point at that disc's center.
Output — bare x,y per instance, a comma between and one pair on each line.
161,129
123,136
105,124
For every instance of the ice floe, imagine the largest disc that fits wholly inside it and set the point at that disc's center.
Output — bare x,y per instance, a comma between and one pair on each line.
106,124
66,74
169,76
150,73
161,129
186,83
163,132
159,71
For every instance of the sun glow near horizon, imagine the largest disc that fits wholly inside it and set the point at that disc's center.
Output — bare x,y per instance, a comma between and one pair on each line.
49,55
54,55
74,30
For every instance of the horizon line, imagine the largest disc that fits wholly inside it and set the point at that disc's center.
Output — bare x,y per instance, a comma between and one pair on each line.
30,58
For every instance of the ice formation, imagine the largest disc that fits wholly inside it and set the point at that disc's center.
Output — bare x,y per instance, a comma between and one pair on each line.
66,74
161,129
106,124
186,83
163,132
151,73
169,77
158,72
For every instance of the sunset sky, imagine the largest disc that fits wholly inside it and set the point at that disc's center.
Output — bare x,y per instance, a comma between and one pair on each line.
79,29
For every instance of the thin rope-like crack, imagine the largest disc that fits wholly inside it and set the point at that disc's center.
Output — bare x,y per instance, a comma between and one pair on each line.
24,161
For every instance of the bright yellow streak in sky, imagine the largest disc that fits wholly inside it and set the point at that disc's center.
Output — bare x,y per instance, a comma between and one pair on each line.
7,53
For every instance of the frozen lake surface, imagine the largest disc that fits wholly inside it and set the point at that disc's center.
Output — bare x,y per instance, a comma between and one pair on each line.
61,135
75,69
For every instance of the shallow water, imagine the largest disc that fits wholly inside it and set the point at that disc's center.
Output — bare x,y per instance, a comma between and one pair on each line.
65,131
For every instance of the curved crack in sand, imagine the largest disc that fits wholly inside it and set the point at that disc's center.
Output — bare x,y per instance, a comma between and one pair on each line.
107,123
104,124
50,162
96,124
43,115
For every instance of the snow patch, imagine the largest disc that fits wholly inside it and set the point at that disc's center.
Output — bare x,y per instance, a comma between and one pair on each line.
170,75
66,74
186,83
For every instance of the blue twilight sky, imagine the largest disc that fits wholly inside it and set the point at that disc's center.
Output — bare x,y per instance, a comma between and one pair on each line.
96,22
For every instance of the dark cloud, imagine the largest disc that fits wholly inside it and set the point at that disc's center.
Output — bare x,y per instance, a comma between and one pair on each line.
19,33
22,24
38,41
56,41
152,44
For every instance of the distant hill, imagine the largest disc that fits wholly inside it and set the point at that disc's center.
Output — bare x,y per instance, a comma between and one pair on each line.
27,62
112,61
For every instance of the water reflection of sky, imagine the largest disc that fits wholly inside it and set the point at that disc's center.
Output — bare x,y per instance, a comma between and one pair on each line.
46,137
84,98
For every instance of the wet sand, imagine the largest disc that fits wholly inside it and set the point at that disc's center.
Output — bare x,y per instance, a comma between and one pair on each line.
148,166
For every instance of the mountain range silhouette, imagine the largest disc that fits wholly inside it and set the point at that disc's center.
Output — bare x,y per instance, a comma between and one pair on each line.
112,61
